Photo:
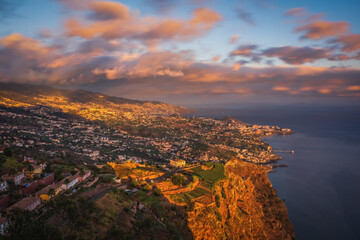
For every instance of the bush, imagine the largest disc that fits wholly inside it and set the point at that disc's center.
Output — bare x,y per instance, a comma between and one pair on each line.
146,188
217,200
8,152
178,179
157,192
190,206
106,179
223,194
218,216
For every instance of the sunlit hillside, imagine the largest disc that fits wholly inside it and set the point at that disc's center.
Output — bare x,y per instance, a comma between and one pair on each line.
92,106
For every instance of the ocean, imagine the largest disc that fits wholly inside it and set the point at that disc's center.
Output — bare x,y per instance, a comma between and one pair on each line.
321,185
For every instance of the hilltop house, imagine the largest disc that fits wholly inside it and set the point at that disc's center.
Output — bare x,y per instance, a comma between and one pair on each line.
178,163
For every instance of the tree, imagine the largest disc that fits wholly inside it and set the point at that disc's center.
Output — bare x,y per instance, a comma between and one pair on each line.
2,160
8,152
178,179
190,206
11,186
23,226
157,191
30,168
51,192
12,172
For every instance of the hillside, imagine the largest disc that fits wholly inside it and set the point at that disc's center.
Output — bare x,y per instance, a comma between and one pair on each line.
92,106
245,207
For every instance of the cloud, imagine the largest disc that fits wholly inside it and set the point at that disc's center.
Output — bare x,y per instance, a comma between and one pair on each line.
97,61
109,10
245,16
234,38
342,57
244,50
303,16
349,43
112,20
107,44
148,65
323,29
296,55
216,58
300,11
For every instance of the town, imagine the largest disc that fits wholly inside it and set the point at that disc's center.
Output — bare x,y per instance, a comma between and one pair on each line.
48,155
49,133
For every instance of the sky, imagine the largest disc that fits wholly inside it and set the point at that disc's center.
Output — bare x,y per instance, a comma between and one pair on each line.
187,52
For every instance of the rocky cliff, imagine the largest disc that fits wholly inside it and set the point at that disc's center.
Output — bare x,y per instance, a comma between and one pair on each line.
245,207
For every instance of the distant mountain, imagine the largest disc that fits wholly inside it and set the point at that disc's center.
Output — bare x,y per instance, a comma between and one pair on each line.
93,106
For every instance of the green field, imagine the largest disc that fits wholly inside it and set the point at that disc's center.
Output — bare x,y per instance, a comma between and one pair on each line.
211,176
184,197
198,192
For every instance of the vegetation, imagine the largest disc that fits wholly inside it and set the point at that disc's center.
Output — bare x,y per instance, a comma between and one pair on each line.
178,179
212,176
24,226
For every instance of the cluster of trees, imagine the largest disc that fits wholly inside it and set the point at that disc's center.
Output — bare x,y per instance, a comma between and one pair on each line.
178,179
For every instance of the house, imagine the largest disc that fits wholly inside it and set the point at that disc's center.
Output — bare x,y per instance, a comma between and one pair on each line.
36,169
178,163
73,180
28,203
4,201
58,187
30,188
44,193
87,173
48,179
3,225
3,186
18,177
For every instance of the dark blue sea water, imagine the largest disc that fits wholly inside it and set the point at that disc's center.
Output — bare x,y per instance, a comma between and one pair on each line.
321,185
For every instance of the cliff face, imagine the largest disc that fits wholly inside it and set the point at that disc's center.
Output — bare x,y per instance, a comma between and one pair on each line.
246,207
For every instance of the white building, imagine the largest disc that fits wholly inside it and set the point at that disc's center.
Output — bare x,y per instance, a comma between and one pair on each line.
3,225
3,186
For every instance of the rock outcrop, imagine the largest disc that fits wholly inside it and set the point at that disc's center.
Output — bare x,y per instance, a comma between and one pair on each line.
245,207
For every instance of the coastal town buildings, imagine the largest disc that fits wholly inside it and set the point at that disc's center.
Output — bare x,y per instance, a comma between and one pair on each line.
28,203
178,163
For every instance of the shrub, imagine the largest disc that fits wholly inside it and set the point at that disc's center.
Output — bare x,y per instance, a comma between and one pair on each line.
157,191
8,152
217,200
218,216
178,179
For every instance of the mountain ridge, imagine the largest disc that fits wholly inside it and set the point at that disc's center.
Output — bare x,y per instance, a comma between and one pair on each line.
30,90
